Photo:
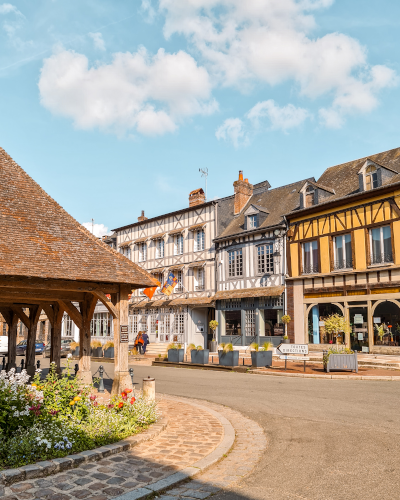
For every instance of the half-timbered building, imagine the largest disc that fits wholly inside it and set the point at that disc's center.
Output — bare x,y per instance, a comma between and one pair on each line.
344,255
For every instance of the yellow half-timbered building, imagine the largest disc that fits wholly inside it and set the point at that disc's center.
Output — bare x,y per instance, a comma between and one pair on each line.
343,255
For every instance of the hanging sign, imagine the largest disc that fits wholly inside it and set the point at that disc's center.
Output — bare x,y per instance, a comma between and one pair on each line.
358,319
123,334
377,320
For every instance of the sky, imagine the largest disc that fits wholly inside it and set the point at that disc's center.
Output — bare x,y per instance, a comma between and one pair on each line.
114,106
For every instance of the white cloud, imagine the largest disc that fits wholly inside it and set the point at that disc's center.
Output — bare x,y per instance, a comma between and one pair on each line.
281,118
98,41
149,10
232,130
99,230
243,43
152,94
6,8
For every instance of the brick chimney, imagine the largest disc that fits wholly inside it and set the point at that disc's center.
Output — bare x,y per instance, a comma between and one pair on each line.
243,192
142,217
197,197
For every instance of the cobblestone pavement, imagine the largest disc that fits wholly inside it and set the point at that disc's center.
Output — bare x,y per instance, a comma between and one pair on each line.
249,446
191,434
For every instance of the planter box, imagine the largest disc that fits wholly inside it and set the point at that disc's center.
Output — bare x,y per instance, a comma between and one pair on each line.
109,353
176,355
230,358
97,352
342,362
260,359
286,341
200,357
213,346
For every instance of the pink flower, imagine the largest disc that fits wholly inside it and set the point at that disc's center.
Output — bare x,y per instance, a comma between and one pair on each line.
110,406
95,403
92,397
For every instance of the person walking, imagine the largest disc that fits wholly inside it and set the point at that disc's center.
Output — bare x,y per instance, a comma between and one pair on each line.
139,342
146,341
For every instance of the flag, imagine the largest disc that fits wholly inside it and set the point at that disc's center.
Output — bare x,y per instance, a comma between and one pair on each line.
149,292
170,284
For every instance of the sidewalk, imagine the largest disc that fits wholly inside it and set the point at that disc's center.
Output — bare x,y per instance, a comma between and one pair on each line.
198,435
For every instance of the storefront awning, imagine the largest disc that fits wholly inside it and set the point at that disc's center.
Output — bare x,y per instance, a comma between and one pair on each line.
176,267
126,243
158,236
141,240
194,301
267,291
176,231
199,263
196,227
158,270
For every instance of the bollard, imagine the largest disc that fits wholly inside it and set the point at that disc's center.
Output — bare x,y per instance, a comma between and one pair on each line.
131,374
76,369
149,388
101,384
22,364
38,364
4,363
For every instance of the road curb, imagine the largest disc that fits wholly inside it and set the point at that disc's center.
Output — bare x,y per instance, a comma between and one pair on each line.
327,376
198,467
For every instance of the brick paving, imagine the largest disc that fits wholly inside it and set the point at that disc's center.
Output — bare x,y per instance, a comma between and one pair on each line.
191,434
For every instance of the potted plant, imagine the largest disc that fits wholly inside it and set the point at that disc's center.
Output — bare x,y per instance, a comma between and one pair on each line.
108,349
227,356
175,353
97,351
286,319
261,357
336,325
74,349
381,330
199,355
340,359
213,344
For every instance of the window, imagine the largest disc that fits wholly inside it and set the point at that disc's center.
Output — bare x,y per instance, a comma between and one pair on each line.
381,245
371,178
310,257
252,221
200,279
142,252
160,278
265,258
343,257
179,285
178,244
126,251
250,323
235,263
179,324
199,240
133,326
309,196
159,248
68,327
101,325
153,323
233,322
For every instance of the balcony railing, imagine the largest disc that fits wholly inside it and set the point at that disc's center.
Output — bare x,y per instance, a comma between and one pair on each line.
382,258
343,264
311,269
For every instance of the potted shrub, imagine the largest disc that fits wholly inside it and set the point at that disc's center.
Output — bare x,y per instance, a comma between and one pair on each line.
227,356
213,344
175,353
336,325
261,357
74,349
286,319
340,359
97,351
199,355
381,330
108,349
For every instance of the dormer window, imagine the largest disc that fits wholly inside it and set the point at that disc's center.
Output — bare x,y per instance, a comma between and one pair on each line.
309,196
252,221
371,178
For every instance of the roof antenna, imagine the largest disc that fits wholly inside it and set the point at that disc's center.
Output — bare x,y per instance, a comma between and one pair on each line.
92,226
204,173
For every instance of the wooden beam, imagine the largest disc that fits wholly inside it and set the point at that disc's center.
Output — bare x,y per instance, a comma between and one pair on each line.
102,297
87,308
72,312
51,284
22,316
7,314
49,296
49,310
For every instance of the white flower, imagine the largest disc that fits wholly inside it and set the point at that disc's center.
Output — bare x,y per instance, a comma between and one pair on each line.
69,356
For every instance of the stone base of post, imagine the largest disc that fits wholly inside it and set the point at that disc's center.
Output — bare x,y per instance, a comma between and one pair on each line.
11,365
122,380
85,377
149,388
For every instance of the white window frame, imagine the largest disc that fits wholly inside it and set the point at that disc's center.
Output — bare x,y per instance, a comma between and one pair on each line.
265,258
178,247
235,263
143,252
314,267
179,285
199,277
160,248
347,262
383,260
252,221
199,240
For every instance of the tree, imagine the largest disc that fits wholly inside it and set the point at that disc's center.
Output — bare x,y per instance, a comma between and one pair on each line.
336,324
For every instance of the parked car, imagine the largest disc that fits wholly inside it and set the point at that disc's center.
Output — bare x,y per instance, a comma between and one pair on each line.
3,344
65,347
21,348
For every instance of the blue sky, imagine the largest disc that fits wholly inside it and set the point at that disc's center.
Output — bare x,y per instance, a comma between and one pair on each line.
113,106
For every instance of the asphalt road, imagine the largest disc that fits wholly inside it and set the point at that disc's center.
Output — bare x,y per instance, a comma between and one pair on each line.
327,439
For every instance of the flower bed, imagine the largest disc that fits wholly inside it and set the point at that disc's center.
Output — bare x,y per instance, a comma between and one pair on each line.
58,416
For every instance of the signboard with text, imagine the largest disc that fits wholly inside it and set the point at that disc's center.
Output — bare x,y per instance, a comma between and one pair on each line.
292,349
124,334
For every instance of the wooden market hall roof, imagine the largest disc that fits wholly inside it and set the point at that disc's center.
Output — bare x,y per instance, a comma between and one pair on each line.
39,239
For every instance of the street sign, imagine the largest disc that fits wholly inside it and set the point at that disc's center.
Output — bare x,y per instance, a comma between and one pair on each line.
294,358
123,335
292,349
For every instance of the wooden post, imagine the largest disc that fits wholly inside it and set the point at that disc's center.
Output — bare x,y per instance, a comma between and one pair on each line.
87,309
34,313
12,322
122,379
55,342
370,322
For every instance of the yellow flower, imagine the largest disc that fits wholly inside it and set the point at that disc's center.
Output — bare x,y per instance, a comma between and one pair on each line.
77,398
72,403
33,385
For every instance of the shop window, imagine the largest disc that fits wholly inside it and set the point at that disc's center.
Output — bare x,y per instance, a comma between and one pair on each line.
178,244
250,315
316,324
310,257
233,322
199,241
159,248
343,256
265,258
381,245
142,252
386,322
235,263
179,325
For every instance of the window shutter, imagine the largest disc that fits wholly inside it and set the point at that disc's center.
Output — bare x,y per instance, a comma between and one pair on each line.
245,222
361,182
315,196
379,176
301,201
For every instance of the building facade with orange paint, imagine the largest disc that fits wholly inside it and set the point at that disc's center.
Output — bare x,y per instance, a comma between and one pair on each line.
343,254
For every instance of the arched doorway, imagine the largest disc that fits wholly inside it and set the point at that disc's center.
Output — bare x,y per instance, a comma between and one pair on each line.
316,329
387,313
